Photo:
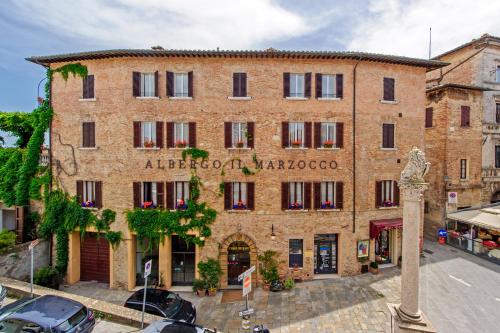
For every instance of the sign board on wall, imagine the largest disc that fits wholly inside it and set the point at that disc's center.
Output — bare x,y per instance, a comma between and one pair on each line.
452,197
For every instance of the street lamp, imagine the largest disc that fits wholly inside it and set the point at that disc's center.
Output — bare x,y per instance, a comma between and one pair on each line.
273,235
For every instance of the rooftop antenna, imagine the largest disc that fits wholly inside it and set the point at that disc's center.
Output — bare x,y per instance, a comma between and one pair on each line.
430,41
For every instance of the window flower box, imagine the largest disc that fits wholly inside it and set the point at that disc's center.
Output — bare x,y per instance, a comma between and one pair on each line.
148,144
240,144
88,204
328,144
148,205
327,205
240,205
296,205
181,204
181,144
388,203
296,144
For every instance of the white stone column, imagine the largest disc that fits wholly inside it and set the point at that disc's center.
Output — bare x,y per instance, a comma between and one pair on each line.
410,273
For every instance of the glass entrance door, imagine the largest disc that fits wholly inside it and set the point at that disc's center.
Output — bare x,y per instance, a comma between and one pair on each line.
144,253
383,247
238,261
325,254
183,262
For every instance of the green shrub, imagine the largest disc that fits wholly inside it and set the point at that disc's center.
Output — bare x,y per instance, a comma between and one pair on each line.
289,283
374,264
198,284
47,277
210,273
7,240
269,266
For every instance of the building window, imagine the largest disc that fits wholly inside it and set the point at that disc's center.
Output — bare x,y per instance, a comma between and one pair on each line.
389,84
295,195
465,116
239,198
296,135
498,113
328,86
328,195
181,195
239,84
295,258
388,136
88,195
239,138
387,193
328,135
428,117
463,168
181,85
88,129
88,87
181,135
149,195
297,85
498,74
148,134
497,156
147,84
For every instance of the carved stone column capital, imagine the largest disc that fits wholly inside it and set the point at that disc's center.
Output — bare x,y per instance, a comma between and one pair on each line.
412,191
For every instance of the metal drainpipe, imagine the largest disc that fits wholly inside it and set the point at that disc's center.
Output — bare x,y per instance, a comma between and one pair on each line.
354,146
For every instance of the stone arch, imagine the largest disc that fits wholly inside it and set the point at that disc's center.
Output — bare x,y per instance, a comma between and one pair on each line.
223,255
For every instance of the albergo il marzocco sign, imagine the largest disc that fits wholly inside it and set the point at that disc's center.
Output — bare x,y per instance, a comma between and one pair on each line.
237,164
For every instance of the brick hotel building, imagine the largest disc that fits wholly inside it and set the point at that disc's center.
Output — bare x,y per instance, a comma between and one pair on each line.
327,132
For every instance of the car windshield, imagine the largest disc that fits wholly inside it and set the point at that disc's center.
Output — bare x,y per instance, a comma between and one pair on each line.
161,298
72,322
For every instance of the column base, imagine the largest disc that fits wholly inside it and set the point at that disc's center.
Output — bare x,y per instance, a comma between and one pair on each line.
402,323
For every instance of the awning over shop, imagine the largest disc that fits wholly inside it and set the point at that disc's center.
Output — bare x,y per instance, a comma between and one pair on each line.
376,226
487,218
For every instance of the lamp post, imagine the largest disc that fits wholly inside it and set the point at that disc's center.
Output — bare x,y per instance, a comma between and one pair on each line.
273,235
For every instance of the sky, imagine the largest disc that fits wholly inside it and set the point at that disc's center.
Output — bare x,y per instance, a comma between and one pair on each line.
399,27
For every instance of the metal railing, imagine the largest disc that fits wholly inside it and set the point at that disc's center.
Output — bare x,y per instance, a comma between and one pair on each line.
44,158
475,247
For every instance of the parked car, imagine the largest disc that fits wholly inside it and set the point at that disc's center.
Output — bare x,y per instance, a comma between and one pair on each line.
163,303
174,326
3,294
46,314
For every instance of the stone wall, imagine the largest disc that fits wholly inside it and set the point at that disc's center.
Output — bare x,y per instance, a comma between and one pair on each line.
16,263
118,164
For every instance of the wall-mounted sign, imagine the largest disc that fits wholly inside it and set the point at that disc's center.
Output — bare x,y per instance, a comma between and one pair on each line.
172,164
363,248
452,197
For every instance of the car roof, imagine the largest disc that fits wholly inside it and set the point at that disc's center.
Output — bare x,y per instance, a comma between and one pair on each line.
47,311
172,326
152,296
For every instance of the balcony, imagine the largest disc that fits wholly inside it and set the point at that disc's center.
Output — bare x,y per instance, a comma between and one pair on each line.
491,128
490,173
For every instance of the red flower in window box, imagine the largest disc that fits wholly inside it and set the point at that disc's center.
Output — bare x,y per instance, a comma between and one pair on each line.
327,204
148,143
181,144
328,144
296,143
148,204
240,205
296,205
388,203
240,144
181,204
88,204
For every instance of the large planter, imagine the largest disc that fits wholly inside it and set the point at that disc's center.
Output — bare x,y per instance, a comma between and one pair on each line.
212,292
201,292
374,270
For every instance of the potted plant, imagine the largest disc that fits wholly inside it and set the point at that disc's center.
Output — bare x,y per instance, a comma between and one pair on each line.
374,267
240,205
148,204
240,144
296,205
327,205
328,144
181,204
181,144
288,284
268,267
296,143
148,143
210,273
199,287
88,204
388,203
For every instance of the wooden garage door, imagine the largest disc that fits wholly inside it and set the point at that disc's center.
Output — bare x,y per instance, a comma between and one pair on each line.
94,258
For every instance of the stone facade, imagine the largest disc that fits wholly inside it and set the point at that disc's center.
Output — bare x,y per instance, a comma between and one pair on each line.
118,164
473,66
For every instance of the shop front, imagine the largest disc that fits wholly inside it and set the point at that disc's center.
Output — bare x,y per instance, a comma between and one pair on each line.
325,254
476,231
385,238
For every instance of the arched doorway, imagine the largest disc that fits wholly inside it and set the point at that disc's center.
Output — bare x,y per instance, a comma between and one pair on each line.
238,261
495,197
227,251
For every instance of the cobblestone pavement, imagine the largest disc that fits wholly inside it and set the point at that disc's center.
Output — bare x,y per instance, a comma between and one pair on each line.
459,293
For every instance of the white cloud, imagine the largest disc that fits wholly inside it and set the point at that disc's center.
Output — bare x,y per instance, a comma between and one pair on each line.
402,27
229,24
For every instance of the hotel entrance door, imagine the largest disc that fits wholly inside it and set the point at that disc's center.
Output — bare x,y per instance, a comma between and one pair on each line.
183,262
238,261
325,254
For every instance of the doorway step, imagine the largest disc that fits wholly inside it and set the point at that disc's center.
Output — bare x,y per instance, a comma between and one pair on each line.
381,266
325,276
181,288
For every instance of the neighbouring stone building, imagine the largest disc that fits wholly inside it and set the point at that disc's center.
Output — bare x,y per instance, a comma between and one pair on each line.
462,135
326,132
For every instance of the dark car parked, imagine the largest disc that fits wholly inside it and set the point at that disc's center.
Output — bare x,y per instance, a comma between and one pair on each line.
46,314
173,326
163,303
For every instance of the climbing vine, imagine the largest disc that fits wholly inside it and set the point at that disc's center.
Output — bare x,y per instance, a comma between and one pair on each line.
64,214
